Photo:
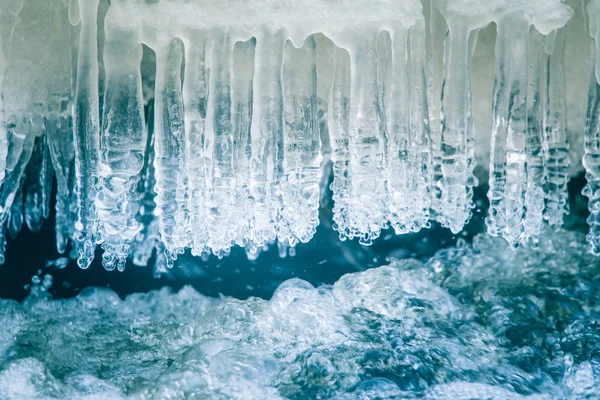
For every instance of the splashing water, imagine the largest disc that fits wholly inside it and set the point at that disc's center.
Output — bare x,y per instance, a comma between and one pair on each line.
474,321
197,126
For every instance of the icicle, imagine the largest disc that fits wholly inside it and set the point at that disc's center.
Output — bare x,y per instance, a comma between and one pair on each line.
146,240
145,243
299,185
3,133
591,159
170,151
15,221
385,75
410,173
38,185
457,136
162,262
516,159
420,130
326,164
87,134
218,142
400,172
122,147
8,16
60,120
593,10
14,172
238,143
266,134
338,126
2,244
556,147
436,34
241,98
534,153
59,133
195,94
74,13
496,219
367,208
46,180
33,202
282,248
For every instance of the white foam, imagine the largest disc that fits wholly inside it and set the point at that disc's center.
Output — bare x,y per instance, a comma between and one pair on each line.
466,324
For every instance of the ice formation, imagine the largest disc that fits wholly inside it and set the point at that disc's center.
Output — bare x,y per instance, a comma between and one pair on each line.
591,159
473,322
210,136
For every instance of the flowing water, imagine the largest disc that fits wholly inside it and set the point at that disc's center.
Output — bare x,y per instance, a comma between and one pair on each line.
473,322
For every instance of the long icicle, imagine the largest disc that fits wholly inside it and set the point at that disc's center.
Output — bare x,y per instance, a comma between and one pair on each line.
367,209
591,158
60,136
516,163
122,147
15,220
87,134
195,97
3,132
410,172
556,146
9,12
241,99
338,125
423,165
301,146
146,240
38,185
399,165
457,137
218,144
15,171
534,152
266,132
170,151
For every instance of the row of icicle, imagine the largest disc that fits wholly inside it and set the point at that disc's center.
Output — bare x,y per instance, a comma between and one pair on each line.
231,152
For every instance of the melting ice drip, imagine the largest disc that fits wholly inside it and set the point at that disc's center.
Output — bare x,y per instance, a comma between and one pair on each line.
227,149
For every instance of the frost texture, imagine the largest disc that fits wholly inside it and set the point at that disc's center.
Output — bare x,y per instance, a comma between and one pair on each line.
221,142
471,323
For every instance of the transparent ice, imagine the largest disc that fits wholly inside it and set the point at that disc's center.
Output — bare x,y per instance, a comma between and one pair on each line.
174,126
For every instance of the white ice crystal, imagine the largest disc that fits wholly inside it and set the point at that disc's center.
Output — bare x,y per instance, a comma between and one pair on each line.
474,322
211,137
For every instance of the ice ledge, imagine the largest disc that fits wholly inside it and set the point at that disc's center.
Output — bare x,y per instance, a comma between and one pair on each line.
222,144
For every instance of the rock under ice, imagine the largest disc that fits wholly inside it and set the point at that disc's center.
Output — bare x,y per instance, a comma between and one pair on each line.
172,125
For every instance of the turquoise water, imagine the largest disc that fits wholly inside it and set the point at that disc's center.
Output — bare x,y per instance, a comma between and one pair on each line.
473,322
